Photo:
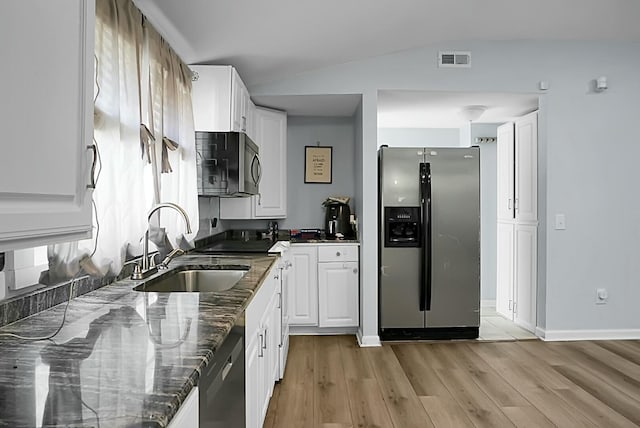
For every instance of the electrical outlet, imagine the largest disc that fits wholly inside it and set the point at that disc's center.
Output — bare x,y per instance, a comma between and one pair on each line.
602,296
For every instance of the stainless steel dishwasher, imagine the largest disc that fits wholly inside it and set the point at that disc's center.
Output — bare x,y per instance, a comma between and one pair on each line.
222,384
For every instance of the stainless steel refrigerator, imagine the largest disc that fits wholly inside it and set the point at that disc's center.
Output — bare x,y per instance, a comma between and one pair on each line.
429,244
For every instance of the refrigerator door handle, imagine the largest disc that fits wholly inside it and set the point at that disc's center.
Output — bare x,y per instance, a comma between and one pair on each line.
425,204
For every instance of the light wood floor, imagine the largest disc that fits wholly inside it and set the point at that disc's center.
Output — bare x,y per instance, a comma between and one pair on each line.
330,382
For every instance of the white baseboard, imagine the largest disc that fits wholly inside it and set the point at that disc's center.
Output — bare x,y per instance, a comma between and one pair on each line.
566,335
486,303
302,330
368,341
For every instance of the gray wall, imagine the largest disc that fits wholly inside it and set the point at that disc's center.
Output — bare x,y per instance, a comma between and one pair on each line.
305,208
488,210
581,131
419,137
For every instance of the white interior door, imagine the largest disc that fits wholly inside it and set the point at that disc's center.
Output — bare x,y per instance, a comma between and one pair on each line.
525,275
505,174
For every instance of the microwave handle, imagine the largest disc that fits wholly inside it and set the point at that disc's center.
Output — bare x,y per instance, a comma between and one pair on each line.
256,179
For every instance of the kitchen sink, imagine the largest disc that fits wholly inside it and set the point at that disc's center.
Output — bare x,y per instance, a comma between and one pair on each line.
195,279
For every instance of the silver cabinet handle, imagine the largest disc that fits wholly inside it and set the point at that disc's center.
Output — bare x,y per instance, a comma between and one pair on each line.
94,149
509,204
264,345
261,353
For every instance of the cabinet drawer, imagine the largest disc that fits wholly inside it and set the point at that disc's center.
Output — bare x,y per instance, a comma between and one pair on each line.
338,253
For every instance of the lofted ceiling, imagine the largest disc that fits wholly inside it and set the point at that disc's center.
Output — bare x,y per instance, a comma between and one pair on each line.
272,40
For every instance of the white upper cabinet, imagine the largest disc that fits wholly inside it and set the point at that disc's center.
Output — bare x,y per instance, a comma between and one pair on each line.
506,169
221,101
526,177
46,117
271,200
517,159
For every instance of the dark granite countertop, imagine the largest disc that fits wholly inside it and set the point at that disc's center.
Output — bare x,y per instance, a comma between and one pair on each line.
123,358
324,241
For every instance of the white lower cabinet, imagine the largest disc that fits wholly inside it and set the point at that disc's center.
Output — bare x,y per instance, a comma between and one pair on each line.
262,337
517,273
303,285
188,415
324,285
526,247
504,277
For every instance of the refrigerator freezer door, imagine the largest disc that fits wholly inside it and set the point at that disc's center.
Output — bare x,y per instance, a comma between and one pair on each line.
400,289
399,279
455,237
399,175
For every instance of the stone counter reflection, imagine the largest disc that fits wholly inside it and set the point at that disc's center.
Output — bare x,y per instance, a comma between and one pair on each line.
123,358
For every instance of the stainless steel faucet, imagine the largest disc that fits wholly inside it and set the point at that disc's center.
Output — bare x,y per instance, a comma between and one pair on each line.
144,269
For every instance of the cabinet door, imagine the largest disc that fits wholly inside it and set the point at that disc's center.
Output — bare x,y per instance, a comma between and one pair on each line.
271,202
303,286
240,100
46,119
526,243
271,134
211,97
338,294
505,174
251,120
527,168
252,380
188,415
504,274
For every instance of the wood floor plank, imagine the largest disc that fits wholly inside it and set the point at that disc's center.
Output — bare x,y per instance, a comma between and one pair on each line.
602,370
597,412
404,407
368,409
272,411
482,411
354,361
331,401
496,387
419,371
604,357
297,388
527,417
445,412
622,348
534,381
609,395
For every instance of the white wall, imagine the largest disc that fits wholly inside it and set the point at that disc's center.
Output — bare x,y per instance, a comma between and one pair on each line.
588,155
419,137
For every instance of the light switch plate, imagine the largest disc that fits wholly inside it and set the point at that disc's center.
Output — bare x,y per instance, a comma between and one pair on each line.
561,222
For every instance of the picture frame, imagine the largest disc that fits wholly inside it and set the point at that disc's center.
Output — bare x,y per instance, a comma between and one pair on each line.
318,164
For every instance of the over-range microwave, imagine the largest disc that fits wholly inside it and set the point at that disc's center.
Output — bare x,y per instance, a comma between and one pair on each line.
228,164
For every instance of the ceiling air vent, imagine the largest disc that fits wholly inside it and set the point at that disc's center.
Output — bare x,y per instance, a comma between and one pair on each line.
454,59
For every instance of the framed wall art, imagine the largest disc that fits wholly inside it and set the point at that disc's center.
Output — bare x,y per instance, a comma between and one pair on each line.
317,164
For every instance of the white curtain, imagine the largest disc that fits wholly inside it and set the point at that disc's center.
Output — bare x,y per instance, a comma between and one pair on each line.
140,84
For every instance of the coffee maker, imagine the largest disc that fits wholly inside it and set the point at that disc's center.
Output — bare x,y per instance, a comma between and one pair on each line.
337,220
